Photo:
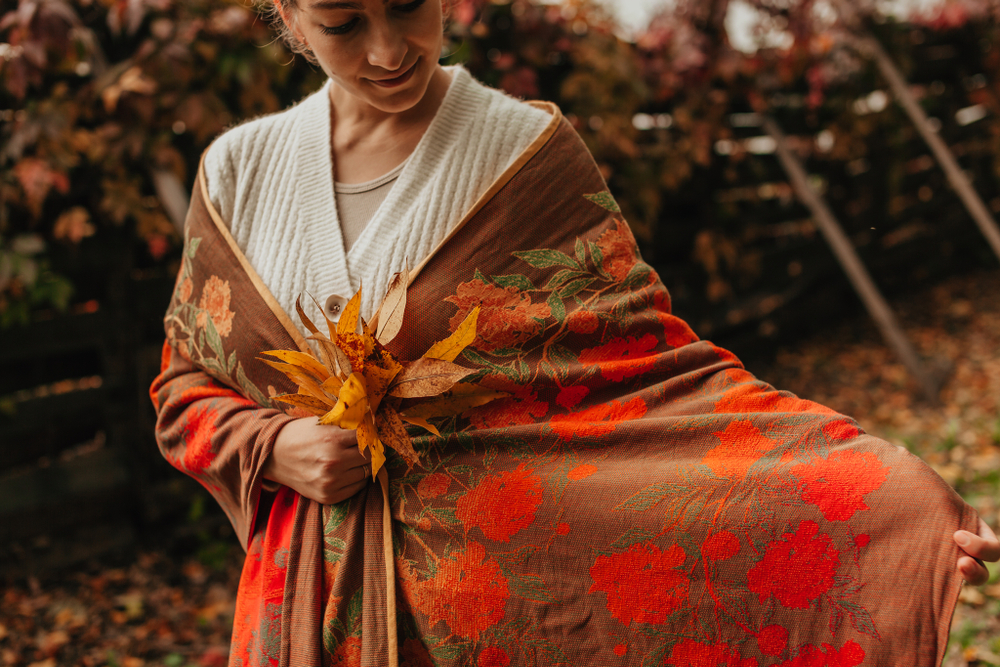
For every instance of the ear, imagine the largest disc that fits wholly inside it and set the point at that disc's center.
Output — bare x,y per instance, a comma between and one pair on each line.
288,18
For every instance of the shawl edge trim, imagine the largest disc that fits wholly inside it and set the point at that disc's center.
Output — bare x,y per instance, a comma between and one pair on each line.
251,272
533,148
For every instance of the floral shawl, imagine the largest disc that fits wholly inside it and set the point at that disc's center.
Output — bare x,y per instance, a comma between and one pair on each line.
638,498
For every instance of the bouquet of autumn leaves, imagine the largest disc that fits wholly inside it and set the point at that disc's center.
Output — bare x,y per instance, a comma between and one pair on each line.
356,383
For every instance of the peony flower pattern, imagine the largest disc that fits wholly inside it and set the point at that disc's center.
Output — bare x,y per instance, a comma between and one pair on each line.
643,584
214,301
619,250
469,593
501,504
507,317
838,485
622,358
797,569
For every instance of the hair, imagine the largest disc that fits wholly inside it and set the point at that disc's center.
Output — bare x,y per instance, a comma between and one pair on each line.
279,12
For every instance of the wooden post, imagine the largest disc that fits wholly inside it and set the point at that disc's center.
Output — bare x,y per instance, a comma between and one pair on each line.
851,263
867,45
959,181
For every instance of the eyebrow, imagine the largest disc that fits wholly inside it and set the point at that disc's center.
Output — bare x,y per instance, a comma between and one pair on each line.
335,4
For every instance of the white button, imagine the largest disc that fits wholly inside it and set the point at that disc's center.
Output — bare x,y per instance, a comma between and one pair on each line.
335,306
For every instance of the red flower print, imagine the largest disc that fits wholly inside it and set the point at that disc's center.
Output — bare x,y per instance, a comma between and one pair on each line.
348,654
643,584
507,318
742,445
850,655
424,523
469,593
751,395
620,649
570,397
433,485
598,420
842,429
861,541
619,250
523,407
582,322
581,472
198,431
215,301
414,654
772,640
562,529
689,653
493,656
796,569
501,504
720,546
837,485
622,358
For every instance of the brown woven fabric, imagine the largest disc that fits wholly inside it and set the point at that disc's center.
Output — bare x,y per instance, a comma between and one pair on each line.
638,499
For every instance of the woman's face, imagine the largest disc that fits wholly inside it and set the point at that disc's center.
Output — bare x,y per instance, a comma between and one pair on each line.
383,52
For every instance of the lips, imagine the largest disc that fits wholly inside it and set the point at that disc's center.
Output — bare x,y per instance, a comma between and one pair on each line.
396,81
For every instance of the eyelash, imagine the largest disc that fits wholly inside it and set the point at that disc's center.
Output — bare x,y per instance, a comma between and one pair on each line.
349,26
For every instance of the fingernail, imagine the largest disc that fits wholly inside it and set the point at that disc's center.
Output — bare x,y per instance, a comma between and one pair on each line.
962,538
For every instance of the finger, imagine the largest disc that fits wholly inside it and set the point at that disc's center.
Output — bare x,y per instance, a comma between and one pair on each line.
974,572
984,546
348,491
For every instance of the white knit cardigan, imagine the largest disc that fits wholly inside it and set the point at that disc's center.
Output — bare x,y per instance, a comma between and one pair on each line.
271,179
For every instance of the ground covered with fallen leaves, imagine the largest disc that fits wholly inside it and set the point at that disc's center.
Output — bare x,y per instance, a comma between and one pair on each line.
173,605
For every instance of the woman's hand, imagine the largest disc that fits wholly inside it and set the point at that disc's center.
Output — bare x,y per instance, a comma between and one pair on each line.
320,462
983,546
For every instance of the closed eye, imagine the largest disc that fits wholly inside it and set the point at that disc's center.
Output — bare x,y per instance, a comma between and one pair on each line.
342,29
410,6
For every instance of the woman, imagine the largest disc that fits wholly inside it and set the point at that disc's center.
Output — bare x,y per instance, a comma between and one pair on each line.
638,498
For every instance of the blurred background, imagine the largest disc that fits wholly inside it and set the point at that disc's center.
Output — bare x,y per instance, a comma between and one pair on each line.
699,114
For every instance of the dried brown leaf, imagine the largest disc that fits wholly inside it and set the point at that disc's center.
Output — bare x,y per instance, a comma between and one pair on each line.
339,360
310,403
423,423
393,307
426,377
302,316
461,398
393,433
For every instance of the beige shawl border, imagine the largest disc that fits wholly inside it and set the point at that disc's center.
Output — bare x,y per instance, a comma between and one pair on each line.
251,272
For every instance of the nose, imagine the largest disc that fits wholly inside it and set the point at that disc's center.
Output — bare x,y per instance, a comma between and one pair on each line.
387,48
